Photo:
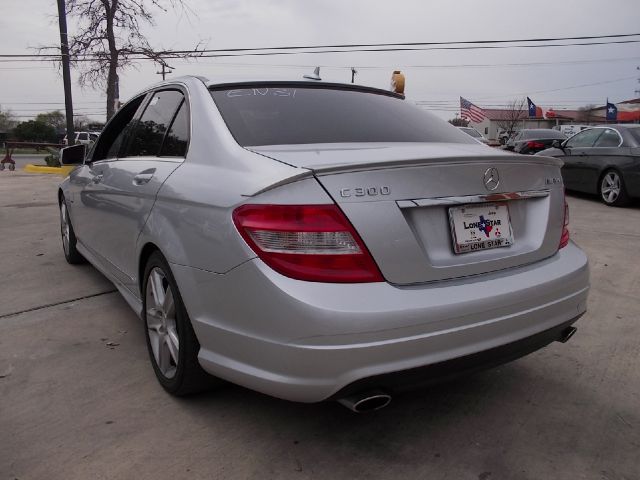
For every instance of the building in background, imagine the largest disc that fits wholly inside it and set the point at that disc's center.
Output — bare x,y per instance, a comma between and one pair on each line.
496,121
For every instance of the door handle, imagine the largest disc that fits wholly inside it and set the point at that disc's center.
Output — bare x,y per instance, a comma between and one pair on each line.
142,178
97,178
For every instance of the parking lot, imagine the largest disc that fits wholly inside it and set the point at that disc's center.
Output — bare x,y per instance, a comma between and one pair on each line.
79,400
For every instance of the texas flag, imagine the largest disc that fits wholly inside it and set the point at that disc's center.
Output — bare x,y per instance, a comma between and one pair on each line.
612,112
534,111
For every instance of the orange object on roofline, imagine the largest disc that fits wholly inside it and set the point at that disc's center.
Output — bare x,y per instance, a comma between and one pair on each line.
397,82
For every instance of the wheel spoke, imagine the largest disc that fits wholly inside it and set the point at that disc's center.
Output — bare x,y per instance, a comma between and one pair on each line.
168,305
173,343
164,362
156,288
154,340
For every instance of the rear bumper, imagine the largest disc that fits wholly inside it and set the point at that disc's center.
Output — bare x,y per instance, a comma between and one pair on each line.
448,370
306,341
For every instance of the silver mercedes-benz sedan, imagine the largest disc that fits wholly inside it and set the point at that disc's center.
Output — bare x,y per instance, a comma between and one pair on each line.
317,241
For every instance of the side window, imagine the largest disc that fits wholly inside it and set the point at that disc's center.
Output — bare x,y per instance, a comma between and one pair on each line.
609,138
109,142
584,139
149,131
177,138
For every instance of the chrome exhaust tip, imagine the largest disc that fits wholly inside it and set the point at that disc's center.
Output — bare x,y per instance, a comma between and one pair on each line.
369,401
566,334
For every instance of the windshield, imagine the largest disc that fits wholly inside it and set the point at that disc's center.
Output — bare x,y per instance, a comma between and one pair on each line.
300,114
471,131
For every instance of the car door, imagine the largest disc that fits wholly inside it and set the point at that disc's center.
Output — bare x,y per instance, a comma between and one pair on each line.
130,183
605,152
88,198
575,156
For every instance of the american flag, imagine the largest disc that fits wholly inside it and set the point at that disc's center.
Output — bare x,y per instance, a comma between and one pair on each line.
470,111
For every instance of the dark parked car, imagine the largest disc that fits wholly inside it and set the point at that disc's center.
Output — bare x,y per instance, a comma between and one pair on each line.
533,140
604,160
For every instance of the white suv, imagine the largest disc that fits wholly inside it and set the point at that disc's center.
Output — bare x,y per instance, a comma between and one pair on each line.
82,137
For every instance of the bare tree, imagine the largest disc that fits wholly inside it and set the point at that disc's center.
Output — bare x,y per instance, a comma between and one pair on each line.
109,38
515,111
7,120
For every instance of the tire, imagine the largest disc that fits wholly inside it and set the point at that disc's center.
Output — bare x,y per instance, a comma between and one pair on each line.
69,241
171,342
612,190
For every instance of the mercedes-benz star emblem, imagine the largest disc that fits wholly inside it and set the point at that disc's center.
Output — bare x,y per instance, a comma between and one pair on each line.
491,179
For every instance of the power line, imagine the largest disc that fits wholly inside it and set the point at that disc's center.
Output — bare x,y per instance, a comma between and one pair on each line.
348,48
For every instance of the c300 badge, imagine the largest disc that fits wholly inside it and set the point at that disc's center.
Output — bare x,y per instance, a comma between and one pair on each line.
365,191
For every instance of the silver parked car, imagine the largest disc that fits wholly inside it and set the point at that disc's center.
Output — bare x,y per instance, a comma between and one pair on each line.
318,241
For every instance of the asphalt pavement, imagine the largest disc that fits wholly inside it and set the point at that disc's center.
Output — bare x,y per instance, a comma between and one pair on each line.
78,398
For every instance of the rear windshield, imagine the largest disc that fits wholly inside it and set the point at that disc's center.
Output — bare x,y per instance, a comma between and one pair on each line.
635,133
293,115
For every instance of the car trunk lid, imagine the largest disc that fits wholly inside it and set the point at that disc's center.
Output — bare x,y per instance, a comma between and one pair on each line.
400,199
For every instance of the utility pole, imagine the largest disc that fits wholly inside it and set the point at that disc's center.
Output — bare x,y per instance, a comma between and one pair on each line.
66,75
165,69
353,74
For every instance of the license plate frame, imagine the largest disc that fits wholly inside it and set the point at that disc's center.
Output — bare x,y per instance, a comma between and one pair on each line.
480,226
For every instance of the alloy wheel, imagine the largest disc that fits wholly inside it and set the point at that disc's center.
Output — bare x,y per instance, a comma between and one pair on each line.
610,187
161,323
64,227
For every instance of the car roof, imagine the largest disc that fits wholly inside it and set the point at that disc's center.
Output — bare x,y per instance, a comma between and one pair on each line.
228,81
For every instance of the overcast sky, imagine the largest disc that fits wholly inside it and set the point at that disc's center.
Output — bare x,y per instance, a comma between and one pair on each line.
433,76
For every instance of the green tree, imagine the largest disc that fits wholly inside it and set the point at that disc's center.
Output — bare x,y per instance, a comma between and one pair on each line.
55,119
34,131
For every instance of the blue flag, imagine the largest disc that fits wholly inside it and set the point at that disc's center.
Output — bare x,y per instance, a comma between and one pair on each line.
612,112
533,110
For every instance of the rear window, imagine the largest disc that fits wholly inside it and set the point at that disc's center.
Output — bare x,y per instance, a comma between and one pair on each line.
542,133
635,133
299,114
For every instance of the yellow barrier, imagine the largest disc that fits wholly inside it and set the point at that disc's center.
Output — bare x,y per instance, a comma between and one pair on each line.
64,170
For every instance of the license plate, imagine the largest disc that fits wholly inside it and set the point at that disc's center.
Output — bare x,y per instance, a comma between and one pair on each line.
480,227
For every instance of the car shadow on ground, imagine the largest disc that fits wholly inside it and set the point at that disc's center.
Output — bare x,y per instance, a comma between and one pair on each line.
634,203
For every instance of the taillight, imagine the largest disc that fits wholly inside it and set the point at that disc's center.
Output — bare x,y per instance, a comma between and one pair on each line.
564,238
307,242
534,145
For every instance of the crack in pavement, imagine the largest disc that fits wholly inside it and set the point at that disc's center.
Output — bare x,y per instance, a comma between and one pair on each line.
55,304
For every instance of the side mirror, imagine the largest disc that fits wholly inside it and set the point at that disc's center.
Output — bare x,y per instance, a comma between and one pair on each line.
73,155
558,144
